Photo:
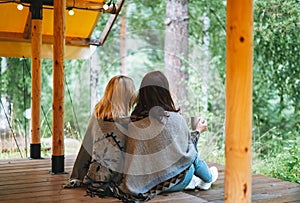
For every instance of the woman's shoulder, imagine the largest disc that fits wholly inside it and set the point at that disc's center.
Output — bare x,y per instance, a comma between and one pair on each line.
176,120
175,115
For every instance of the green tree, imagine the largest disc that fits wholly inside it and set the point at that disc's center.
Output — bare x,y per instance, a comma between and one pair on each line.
16,84
276,73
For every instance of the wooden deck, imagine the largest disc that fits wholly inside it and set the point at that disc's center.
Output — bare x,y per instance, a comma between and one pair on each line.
23,180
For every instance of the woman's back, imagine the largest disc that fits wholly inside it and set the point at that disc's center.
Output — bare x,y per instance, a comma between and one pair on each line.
157,150
106,141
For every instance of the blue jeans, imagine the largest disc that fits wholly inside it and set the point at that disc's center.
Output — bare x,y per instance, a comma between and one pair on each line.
200,169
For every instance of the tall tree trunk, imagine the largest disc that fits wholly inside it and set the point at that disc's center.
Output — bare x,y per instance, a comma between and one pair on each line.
123,68
94,78
176,49
204,66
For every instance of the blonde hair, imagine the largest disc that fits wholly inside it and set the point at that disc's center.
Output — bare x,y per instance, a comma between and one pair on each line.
118,98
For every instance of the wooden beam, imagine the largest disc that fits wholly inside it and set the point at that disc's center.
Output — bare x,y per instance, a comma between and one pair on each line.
28,26
59,31
13,36
91,4
238,101
36,87
47,39
109,24
76,41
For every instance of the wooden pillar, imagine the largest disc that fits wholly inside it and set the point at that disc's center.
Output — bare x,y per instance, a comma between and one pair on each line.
239,43
58,87
36,75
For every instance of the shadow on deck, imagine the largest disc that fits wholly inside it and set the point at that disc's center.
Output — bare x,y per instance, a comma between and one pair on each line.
23,180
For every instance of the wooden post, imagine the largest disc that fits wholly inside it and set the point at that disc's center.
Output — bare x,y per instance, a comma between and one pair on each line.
58,87
36,75
238,101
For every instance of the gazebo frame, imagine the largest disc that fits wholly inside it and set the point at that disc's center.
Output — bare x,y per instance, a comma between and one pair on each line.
238,91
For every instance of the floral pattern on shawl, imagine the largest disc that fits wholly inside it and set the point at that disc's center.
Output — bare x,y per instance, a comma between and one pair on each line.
106,146
102,181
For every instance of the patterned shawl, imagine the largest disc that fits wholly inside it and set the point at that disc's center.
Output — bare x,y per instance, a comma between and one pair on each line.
156,152
138,164
105,141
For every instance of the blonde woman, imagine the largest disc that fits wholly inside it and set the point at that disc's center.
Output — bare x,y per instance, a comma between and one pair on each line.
99,161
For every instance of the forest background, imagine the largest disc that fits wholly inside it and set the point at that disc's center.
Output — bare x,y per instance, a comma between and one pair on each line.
138,44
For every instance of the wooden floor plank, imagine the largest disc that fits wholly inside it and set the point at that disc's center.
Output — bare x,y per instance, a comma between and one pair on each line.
29,181
290,195
37,178
28,184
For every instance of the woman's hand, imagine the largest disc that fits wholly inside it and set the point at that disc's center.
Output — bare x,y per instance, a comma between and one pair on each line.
201,125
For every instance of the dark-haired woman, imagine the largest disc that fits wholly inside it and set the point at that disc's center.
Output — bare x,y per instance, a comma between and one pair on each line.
160,154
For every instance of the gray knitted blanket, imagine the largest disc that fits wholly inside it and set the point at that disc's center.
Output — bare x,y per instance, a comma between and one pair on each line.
156,151
137,164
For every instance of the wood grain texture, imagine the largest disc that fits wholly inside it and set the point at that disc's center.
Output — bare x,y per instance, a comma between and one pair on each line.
24,180
59,31
239,45
36,80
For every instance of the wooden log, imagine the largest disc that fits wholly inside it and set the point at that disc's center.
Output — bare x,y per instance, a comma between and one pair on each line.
238,101
110,22
47,39
36,85
58,87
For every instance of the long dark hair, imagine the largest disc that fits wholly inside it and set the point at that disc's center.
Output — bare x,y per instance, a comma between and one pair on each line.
154,92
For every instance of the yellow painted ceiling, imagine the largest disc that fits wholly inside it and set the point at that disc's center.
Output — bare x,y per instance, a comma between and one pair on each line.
15,28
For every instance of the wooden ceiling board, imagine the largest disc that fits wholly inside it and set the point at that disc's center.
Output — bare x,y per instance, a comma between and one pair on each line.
11,19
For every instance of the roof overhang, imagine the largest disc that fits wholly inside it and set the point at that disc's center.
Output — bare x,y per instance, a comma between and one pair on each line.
15,28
